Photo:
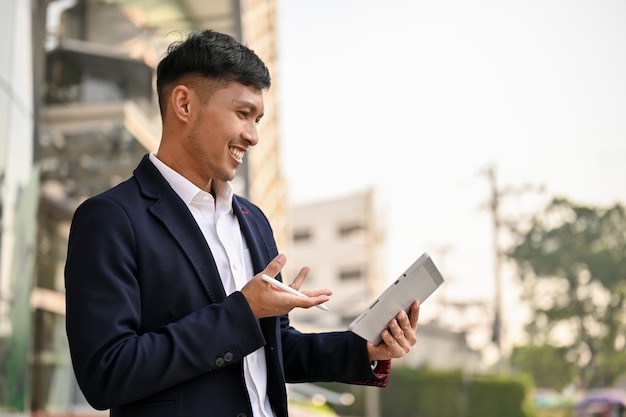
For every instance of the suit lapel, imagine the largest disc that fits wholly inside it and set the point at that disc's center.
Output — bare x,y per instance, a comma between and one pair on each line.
175,216
259,238
252,234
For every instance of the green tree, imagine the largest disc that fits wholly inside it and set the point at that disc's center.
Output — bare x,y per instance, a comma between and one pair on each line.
546,363
572,263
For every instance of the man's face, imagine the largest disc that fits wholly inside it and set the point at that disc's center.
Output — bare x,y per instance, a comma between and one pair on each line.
222,130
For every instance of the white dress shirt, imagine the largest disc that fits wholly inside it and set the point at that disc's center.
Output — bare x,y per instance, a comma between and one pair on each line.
221,230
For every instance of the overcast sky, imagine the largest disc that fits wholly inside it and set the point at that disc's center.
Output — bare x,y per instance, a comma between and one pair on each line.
417,97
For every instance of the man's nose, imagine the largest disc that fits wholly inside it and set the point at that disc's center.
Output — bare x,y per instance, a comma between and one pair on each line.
251,135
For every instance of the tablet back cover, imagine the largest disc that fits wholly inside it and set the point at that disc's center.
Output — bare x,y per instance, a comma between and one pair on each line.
420,280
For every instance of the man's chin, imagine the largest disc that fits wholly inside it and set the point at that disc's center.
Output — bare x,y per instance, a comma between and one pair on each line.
228,176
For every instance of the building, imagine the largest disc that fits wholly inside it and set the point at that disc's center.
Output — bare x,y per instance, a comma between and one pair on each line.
18,200
343,242
78,112
443,349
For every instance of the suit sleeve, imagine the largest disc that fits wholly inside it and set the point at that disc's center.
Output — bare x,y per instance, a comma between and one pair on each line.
115,362
329,357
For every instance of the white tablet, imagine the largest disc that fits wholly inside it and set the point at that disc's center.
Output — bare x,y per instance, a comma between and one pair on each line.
419,281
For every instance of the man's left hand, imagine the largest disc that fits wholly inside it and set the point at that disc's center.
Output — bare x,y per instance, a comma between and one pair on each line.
398,338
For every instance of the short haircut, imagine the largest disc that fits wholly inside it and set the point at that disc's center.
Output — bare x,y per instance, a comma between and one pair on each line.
213,55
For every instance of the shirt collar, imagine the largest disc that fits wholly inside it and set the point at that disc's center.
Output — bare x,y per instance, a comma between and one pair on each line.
187,191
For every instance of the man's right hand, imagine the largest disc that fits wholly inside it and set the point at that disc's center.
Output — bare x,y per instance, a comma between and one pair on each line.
266,300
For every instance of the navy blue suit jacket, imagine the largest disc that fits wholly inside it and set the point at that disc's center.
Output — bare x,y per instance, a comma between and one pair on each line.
150,328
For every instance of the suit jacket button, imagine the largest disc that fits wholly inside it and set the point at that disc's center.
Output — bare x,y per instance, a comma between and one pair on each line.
219,362
241,415
228,356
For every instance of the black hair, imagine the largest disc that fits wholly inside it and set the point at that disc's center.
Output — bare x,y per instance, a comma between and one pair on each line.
212,55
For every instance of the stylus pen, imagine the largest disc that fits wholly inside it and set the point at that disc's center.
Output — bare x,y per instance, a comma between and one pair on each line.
288,289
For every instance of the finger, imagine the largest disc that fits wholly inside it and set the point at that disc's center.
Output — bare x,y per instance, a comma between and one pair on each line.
404,337
297,282
394,346
315,293
388,338
410,336
414,314
395,329
275,266
403,320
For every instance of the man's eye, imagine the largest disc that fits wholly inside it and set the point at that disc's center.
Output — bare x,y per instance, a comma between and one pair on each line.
257,121
243,114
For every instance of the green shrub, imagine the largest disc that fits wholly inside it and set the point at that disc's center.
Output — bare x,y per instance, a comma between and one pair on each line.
429,393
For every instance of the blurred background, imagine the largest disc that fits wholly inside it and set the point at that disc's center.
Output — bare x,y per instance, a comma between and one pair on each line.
490,134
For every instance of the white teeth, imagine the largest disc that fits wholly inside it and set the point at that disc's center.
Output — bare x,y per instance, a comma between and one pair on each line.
237,153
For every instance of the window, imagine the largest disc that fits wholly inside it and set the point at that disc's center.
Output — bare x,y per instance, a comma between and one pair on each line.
351,274
302,235
352,231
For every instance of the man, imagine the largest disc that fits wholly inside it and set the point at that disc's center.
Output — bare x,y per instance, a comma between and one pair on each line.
167,314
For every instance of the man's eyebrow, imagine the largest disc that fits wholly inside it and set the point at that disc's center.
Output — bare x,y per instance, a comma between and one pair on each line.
247,103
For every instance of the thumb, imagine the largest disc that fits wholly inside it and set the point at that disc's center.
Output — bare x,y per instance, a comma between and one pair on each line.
276,265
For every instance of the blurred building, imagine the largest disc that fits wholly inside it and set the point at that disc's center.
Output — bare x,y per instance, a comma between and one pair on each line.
443,349
18,200
78,111
343,241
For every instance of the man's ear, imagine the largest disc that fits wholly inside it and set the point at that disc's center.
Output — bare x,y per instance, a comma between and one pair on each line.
180,102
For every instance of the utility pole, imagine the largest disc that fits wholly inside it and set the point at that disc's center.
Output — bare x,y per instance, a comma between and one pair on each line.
494,208
495,201
372,401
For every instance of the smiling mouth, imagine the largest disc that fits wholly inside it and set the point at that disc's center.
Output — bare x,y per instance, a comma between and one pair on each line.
237,153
